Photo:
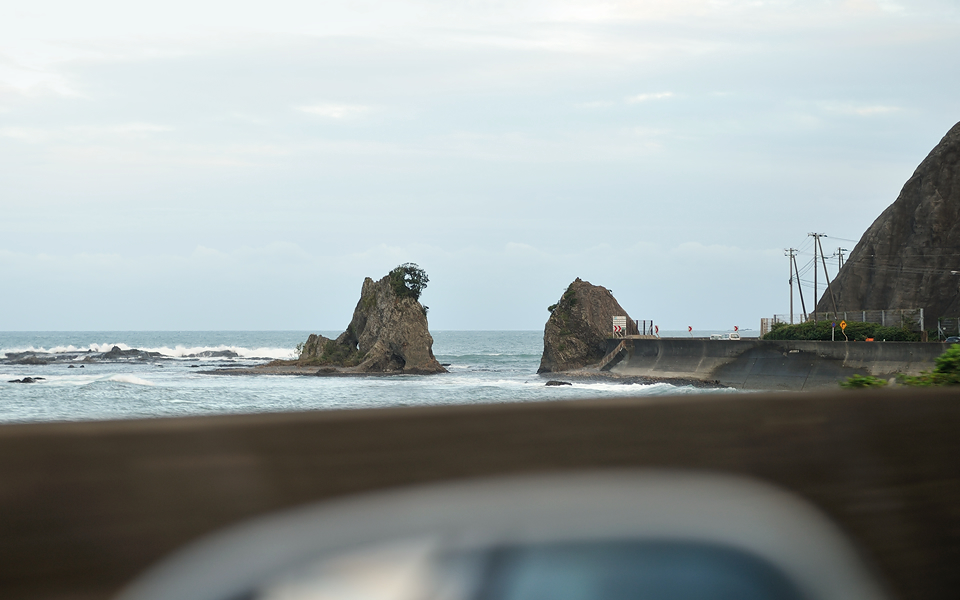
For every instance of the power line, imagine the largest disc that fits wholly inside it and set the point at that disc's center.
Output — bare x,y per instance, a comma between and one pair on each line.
901,269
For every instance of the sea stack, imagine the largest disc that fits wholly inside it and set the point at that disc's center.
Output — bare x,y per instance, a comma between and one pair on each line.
579,324
388,332
910,256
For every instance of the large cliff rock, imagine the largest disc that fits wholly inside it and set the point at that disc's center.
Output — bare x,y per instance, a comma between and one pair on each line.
905,259
388,334
579,324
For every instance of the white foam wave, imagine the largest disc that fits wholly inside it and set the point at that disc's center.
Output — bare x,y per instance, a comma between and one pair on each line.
262,352
105,347
81,380
175,352
605,388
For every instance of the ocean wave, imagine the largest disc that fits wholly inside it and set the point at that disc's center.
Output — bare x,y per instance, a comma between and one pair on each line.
65,349
129,379
185,351
171,352
82,380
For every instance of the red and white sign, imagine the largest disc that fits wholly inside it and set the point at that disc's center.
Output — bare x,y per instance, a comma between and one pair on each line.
736,328
619,325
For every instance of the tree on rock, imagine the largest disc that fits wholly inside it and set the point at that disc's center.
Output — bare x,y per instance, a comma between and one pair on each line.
408,281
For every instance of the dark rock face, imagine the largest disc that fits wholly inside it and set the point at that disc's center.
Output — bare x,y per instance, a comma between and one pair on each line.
314,347
579,324
905,259
388,334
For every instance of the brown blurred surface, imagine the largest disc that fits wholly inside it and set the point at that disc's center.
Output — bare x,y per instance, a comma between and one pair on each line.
84,507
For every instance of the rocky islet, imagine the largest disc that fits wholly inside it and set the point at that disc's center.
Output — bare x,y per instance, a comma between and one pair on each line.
387,334
579,324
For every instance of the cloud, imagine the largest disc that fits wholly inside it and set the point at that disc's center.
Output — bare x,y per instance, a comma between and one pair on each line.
336,111
122,129
30,82
869,110
81,133
649,96
31,135
595,104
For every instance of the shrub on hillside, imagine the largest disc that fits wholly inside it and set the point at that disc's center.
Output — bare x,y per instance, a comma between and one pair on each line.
856,331
945,372
862,382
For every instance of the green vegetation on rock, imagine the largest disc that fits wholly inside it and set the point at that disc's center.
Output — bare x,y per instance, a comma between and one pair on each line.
408,281
862,381
856,331
945,372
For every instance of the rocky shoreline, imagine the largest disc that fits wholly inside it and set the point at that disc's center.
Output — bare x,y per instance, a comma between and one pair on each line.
294,369
595,376
80,359
553,379
114,355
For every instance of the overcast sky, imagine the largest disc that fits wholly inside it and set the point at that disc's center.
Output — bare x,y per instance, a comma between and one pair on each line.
244,165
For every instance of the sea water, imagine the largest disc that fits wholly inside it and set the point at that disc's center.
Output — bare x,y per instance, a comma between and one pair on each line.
485,367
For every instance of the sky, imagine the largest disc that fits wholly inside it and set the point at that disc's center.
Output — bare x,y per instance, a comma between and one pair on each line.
213,165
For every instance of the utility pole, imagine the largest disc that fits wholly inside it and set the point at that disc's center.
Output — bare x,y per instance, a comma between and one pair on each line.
803,304
789,252
816,238
840,252
833,298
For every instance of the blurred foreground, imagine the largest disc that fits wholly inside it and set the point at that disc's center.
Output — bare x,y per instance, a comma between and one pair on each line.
86,507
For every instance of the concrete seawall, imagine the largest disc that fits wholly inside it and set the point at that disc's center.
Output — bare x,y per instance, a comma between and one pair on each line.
771,364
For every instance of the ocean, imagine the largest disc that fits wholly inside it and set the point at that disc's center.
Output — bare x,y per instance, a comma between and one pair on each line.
485,367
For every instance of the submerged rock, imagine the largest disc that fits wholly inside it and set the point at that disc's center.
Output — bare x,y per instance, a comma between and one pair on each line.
116,353
908,257
214,354
576,332
27,358
555,383
388,333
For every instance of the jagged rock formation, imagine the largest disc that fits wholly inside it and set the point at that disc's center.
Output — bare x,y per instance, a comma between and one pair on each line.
905,259
388,334
579,324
